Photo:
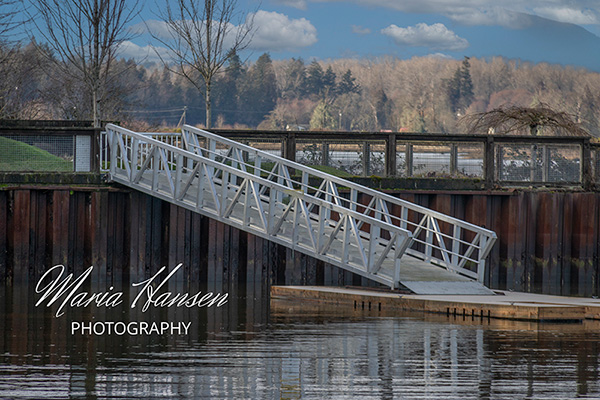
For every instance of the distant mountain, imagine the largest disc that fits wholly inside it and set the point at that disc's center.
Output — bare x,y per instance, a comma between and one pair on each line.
544,40
558,41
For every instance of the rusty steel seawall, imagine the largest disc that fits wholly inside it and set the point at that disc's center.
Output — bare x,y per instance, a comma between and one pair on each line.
548,242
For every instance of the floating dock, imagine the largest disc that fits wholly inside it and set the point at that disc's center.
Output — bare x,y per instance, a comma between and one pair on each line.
502,304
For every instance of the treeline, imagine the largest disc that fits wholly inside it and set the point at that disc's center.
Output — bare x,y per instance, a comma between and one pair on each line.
426,94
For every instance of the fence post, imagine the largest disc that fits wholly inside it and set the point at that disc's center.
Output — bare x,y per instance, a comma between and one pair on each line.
325,154
409,159
489,169
366,159
546,163
95,150
533,163
390,155
587,178
289,149
453,159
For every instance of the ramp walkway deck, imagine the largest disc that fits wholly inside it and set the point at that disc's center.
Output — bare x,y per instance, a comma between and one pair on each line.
388,240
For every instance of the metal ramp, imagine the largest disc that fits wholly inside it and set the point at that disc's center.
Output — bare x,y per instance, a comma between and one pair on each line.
388,240
426,278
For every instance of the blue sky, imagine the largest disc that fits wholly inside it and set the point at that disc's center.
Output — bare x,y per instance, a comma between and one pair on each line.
555,31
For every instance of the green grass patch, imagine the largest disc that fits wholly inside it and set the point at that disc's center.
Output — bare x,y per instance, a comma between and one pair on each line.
267,166
17,156
332,171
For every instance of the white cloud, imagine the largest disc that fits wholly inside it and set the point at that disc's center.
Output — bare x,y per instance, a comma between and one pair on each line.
441,56
128,50
435,36
513,14
273,32
299,4
494,16
277,32
157,28
467,12
360,30
570,15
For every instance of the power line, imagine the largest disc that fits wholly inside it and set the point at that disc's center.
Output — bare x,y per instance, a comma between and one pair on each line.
172,110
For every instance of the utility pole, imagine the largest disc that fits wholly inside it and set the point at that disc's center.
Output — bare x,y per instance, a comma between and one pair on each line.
182,119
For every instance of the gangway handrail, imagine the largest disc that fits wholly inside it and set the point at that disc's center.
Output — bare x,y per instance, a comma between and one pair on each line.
365,243
449,247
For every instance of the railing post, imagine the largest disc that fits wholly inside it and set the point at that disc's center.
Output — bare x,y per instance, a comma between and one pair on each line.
489,169
95,151
325,154
453,159
397,264
409,159
390,155
594,168
546,160
155,167
289,150
481,264
178,175
112,140
533,166
587,178
456,240
135,144
366,159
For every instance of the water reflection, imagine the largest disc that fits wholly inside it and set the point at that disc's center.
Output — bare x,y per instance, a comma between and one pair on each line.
252,349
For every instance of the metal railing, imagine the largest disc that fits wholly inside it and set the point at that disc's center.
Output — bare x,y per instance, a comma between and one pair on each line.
497,160
487,160
551,163
345,224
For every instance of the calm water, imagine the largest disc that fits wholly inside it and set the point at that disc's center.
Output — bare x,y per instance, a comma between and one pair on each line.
250,349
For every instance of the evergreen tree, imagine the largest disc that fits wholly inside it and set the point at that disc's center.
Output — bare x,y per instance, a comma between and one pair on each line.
294,79
167,93
227,90
466,84
383,108
329,89
347,84
234,68
259,95
314,79
453,91
459,89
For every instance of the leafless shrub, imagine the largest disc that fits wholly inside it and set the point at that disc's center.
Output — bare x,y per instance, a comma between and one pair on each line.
539,120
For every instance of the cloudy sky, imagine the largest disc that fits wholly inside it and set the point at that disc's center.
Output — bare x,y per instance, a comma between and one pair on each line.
555,31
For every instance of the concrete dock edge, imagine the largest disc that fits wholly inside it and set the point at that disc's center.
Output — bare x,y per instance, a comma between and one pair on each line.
504,305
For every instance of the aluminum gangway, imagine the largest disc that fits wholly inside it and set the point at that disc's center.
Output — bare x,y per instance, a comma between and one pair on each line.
370,233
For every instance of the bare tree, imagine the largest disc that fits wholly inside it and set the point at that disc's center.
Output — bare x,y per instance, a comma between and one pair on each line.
9,20
82,38
202,38
22,79
9,10
532,120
